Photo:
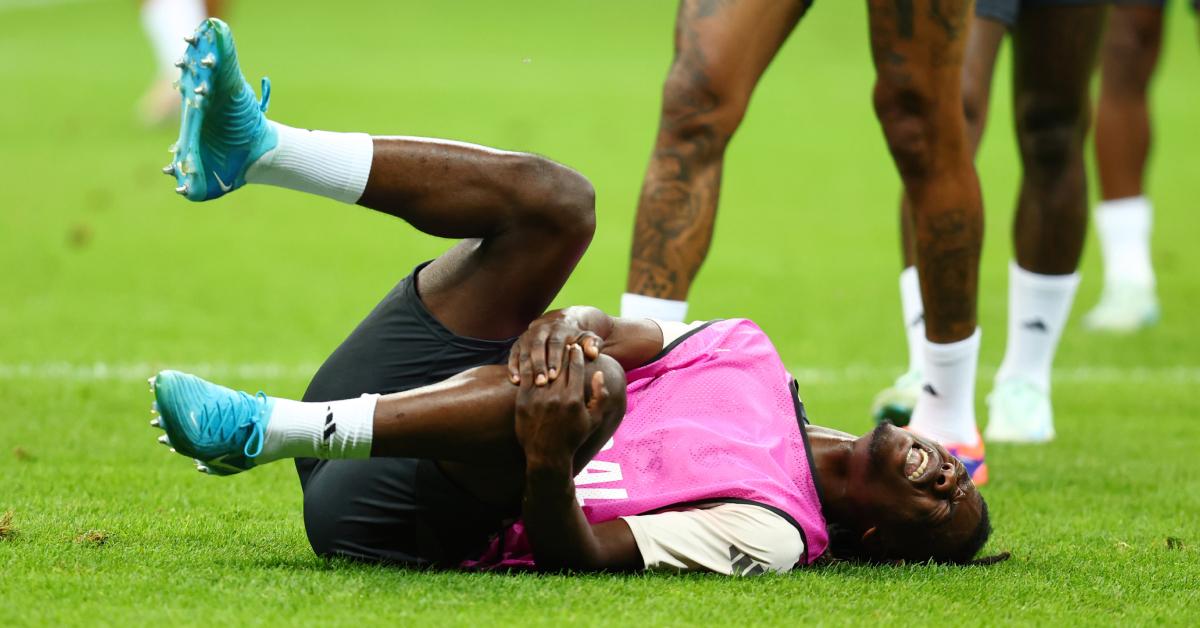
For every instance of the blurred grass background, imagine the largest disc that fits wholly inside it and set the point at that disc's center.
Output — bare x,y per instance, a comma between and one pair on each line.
107,276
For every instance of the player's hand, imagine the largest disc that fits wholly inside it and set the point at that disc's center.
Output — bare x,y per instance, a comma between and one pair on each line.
542,347
553,420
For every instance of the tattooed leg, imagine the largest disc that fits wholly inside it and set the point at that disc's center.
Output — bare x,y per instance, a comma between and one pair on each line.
983,46
722,47
917,47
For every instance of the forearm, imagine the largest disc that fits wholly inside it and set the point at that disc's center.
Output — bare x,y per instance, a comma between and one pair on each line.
630,341
561,536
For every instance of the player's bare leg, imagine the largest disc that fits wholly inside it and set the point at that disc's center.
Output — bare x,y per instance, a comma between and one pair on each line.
721,50
1054,54
917,47
895,403
1124,219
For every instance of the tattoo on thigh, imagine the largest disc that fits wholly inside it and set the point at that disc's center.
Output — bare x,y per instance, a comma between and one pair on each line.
952,22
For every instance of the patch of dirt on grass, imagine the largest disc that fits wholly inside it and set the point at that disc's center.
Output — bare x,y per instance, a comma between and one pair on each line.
22,455
7,530
93,537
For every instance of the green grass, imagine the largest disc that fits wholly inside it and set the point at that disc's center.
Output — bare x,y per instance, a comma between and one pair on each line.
107,276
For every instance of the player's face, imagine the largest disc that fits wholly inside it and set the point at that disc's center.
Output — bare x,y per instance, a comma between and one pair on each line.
918,496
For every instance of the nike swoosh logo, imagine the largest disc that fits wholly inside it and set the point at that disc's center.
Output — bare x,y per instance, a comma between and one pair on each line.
220,183
219,463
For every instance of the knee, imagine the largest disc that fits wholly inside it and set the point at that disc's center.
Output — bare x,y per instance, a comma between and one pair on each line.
908,117
699,114
1050,133
611,410
557,197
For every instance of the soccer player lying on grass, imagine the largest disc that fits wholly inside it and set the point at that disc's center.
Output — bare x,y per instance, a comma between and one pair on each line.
458,426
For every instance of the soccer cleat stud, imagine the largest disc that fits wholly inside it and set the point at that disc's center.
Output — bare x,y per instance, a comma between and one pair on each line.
208,61
169,169
181,190
201,89
192,40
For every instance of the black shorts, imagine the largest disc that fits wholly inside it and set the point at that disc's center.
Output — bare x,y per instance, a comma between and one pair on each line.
1007,11
397,510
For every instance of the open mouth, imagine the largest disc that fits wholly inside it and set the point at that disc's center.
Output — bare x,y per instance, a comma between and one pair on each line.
920,462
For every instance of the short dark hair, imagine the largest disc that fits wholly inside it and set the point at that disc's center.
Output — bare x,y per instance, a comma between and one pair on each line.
845,544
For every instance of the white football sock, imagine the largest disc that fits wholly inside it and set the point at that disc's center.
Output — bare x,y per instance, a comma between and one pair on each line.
1124,228
913,311
642,306
166,23
333,165
1038,306
333,429
945,410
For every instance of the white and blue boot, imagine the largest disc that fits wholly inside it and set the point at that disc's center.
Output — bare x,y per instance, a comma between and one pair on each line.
223,127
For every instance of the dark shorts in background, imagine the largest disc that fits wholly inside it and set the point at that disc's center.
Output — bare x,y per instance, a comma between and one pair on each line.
1007,11
398,510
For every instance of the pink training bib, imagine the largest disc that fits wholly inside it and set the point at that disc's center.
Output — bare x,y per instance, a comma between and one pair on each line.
713,419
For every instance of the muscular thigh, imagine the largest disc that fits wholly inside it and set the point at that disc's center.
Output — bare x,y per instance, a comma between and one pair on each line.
919,43
1054,53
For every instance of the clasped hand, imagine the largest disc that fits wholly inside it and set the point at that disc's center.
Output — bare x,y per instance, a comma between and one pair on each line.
554,419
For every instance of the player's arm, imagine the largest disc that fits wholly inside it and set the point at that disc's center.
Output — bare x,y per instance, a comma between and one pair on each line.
631,342
551,423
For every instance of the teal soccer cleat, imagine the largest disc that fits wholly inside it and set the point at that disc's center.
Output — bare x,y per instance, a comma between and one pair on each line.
222,429
222,127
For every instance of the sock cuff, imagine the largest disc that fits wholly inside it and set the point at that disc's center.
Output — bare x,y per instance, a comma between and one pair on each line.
1036,281
1129,203
641,306
943,353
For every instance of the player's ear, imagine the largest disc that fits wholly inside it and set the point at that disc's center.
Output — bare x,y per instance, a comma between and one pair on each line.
873,543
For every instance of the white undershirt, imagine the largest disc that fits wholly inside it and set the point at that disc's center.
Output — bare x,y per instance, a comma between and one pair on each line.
727,538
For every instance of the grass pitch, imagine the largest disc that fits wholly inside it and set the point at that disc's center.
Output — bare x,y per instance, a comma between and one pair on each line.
108,277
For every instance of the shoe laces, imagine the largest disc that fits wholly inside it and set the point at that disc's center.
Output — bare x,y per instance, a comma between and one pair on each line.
226,417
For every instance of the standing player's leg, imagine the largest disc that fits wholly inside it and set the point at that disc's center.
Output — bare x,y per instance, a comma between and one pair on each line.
1054,53
991,22
917,47
721,51
1123,220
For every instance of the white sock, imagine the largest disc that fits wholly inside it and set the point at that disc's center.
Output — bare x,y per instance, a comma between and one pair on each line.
913,311
333,165
945,410
642,306
166,23
334,429
1124,227
1038,306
